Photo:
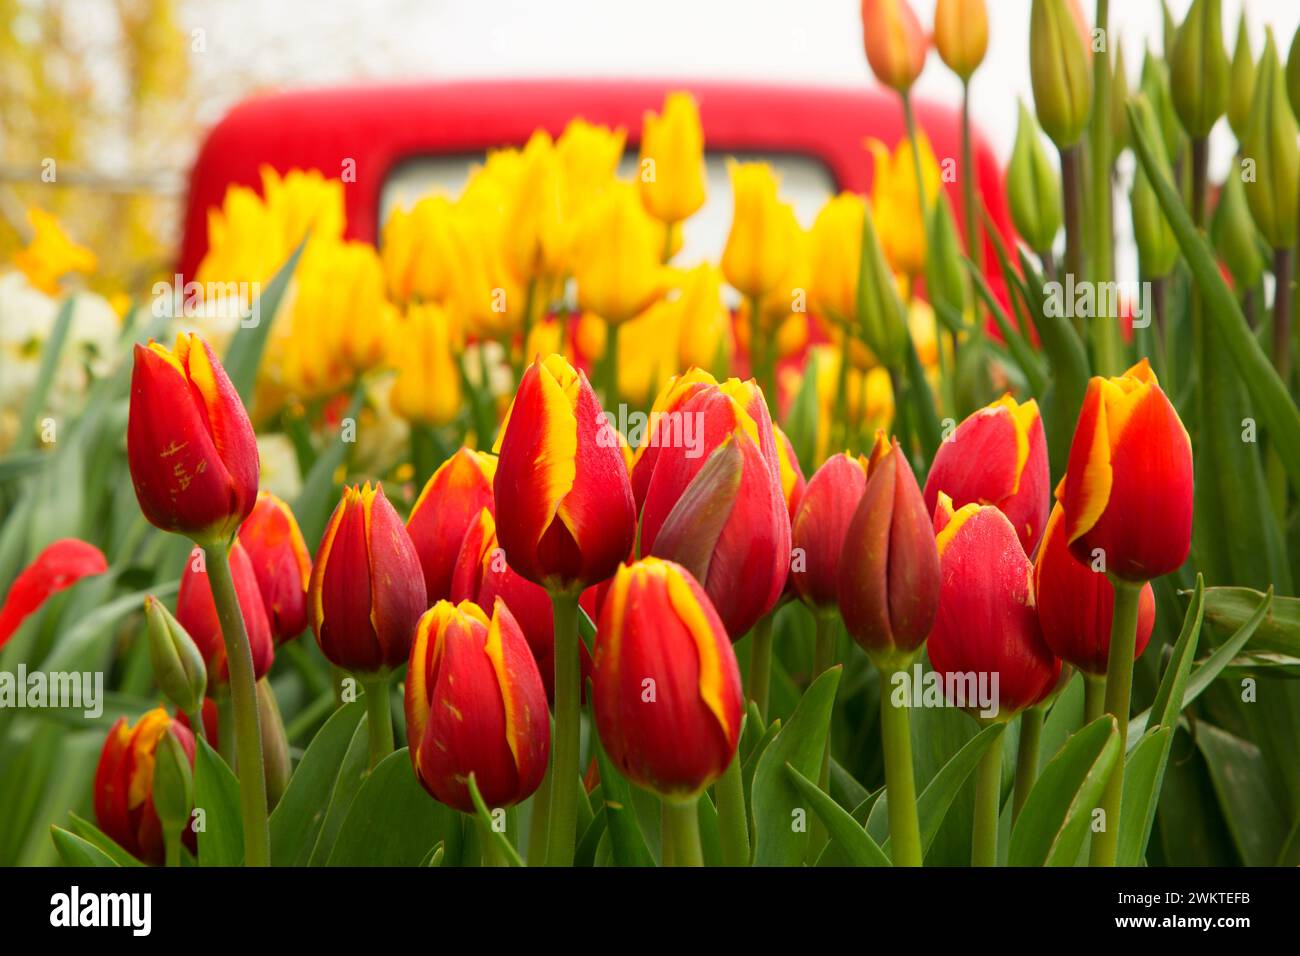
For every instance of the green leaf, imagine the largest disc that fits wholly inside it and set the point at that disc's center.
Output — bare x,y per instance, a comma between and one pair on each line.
298,816
1144,773
351,775
51,352
627,843
1054,820
1277,410
316,500
801,419
1240,781
74,851
800,744
1169,695
1230,608
858,848
216,794
392,821
488,830
245,352
101,841
1020,349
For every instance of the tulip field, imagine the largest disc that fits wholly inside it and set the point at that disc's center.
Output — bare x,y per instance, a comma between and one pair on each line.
514,538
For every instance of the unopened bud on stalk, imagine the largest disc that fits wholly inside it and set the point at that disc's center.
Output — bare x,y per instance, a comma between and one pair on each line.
880,313
1234,235
1033,187
1270,143
946,278
1157,247
1198,69
1241,81
1155,87
1293,72
173,784
961,34
1058,68
275,743
177,664
1119,94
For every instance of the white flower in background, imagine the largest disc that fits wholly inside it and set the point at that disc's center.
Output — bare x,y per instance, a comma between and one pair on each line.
280,474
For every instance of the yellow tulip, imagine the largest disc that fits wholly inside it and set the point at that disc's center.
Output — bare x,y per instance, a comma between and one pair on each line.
896,207
427,387
672,160
589,156
961,34
536,230
870,396
836,259
763,228
484,294
616,260
704,321
647,355
416,250
51,254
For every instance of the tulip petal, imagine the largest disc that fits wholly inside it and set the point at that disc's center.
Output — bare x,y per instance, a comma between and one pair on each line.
60,565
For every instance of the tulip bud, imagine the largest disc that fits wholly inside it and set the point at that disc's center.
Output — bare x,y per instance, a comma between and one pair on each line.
672,160
1127,492
1271,144
475,705
421,349
666,687
1119,94
196,613
819,527
189,442
1241,81
945,276
894,42
836,243
961,34
1157,246
888,582
1155,86
997,456
618,260
448,505
880,314
986,623
124,784
716,505
1033,187
1076,603
281,562
763,228
173,783
1198,69
177,664
1234,235
1293,72
366,590
277,765
1058,69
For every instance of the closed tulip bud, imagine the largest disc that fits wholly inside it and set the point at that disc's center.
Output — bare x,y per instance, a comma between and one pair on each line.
178,666
124,783
1127,492
1241,81
668,701
961,34
475,705
482,575
987,623
366,590
276,764
173,784
1198,68
1293,72
563,500
945,275
1157,247
894,41
880,315
427,387
817,533
197,614
665,422
836,243
1235,238
1059,71
1271,143
1119,94
1076,603
448,505
716,506
763,228
281,562
888,581
1155,87
1033,187
672,160
997,456
618,262
189,442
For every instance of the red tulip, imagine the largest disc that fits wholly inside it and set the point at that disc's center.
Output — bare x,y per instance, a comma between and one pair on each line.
668,700
123,788
793,482
666,427
210,719
715,504
366,591
894,41
564,503
997,456
197,613
987,625
448,505
60,565
475,704
820,525
888,581
281,562
1127,492
189,442
1075,604
482,575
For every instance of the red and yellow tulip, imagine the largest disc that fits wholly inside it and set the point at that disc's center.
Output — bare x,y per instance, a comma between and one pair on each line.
450,502
197,613
894,41
281,562
819,528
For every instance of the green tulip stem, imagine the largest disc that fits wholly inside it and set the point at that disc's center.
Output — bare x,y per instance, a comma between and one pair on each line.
379,719
492,854
733,819
225,726
988,801
1072,207
539,822
1094,697
1119,687
681,833
760,664
195,717
969,182
243,697
762,354
900,783
1031,734
172,845
611,367
526,328
841,417
1282,314
564,753
823,658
